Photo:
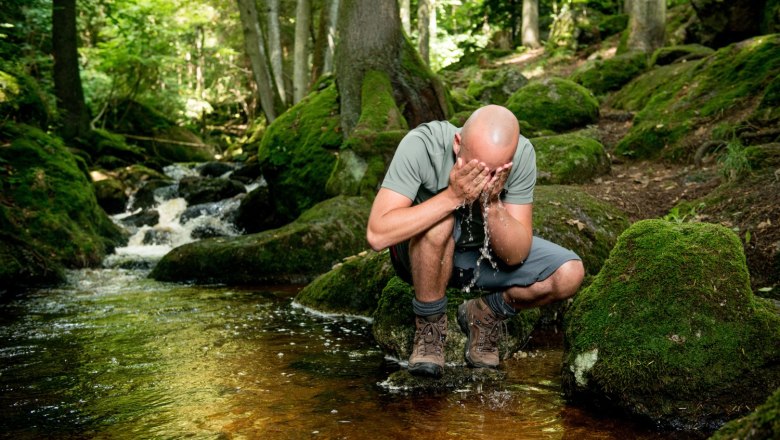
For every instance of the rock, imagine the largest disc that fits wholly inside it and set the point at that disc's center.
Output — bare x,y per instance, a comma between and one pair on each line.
555,104
110,194
488,86
49,215
256,212
146,197
670,332
296,154
137,175
223,211
248,172
453,378
578,221
149,217
763,423
197,190
158,236
676,54
352,287
207,231
721,24
297,252
215,169
569,158
602,76
393,327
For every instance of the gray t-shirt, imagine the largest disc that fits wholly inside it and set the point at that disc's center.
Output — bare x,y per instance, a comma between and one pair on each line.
421,169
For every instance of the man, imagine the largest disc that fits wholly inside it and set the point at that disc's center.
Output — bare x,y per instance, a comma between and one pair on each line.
455,208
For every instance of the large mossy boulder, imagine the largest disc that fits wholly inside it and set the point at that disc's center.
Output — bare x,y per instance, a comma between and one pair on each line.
578,221
352,287
679,105
297,152
49,216
670,332
602,76
296,252
555,104
495,85
394,327
569,158
761,424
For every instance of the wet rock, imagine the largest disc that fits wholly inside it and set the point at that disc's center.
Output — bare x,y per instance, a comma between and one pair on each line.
256,212
146,197
602,76
763,423
207,231
149,217
248,172
111,195
352,287
555,104
297,252
670,332
569,158
453,378
157,236
197,190
215,169
224,211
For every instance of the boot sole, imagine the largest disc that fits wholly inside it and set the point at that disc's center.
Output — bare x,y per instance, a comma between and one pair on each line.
463,323
426,369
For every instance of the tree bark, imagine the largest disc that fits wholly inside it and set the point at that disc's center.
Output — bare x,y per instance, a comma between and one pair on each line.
406,15
370,38
530,30
301,53
333,18
646,25
275,49
67,82
255,48
424,29
325,43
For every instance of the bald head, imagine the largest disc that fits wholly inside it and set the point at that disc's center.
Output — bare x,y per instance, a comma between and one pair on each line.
490,135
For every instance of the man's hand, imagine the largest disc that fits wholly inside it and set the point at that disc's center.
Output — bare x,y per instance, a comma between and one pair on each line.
468,180
496,183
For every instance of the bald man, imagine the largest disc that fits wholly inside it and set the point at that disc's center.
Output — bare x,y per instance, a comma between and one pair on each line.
455,209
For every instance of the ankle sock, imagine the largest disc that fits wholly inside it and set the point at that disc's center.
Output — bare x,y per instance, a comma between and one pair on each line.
432,308
497,304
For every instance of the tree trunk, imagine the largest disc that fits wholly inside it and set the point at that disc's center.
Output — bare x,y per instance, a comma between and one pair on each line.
406,15
200,67
67,82
255,48
275,49
301,53
324,45
530,29
646,25
370,38
424,29
333,18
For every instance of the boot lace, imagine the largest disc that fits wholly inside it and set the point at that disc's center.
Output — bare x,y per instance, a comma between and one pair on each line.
428,338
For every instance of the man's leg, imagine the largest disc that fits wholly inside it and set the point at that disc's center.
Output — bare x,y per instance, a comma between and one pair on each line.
562,284
431,255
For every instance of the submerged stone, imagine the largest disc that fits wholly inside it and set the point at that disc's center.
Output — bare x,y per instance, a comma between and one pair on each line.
453,378
569,158
555,104
670,332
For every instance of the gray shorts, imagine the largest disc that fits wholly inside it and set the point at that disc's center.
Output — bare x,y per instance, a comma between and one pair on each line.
544,259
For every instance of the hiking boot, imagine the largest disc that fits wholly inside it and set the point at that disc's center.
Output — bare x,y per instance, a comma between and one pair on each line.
481,327
427,357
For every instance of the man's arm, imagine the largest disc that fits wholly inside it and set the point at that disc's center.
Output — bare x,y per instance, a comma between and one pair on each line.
510,228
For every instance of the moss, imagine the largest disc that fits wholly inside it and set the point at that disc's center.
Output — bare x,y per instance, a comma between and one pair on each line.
669,330
494,86
575,220
462,102
675,54
352,287
393,327
480,57
296,153
569,158
612,24
22,99
768,111
602,76
771,22
48,201
763,423
379,110
555,104
460,118
296,252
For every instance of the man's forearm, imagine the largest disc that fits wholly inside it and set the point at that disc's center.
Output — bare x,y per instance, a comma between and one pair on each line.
510,239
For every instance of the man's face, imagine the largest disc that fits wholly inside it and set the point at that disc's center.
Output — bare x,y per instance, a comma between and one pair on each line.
492,157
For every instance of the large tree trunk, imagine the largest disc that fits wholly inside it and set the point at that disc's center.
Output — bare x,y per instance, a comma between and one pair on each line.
646,25
275,49
406,15
301,53
67,82
255,48
424,28
370,38
530,30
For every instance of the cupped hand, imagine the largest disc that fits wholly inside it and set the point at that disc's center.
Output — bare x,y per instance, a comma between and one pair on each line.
468,180
496,183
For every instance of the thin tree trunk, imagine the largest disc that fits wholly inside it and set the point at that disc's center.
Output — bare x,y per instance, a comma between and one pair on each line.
333,19
424,28
530,31
255,48
406,15
67,82
200,39
301,53
646,25
275,49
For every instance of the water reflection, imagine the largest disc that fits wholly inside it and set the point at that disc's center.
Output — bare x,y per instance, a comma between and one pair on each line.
115,355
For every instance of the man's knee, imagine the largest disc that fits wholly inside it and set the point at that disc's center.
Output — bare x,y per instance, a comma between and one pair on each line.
568,278
439,234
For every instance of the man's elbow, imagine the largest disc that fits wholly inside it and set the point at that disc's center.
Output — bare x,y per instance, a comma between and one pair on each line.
375,241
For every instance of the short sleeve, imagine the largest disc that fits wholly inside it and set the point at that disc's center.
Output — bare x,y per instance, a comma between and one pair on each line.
520,187
403,175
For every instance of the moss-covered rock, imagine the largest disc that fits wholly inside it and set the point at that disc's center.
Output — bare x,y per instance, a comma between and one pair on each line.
296,252
602,76
352,287
491,86
111,196
676,54
21,98
577,221
761,424
679,104
48,204
196,190
569,158
554,104
669,331
256,212
393,327
297,153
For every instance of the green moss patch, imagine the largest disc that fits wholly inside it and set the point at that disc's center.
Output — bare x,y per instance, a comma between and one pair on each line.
553,104
569,158
602,76
296,252
675,54
669,330
763,423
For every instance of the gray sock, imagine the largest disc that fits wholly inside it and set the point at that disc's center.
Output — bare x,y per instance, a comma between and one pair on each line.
433,308
497,304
